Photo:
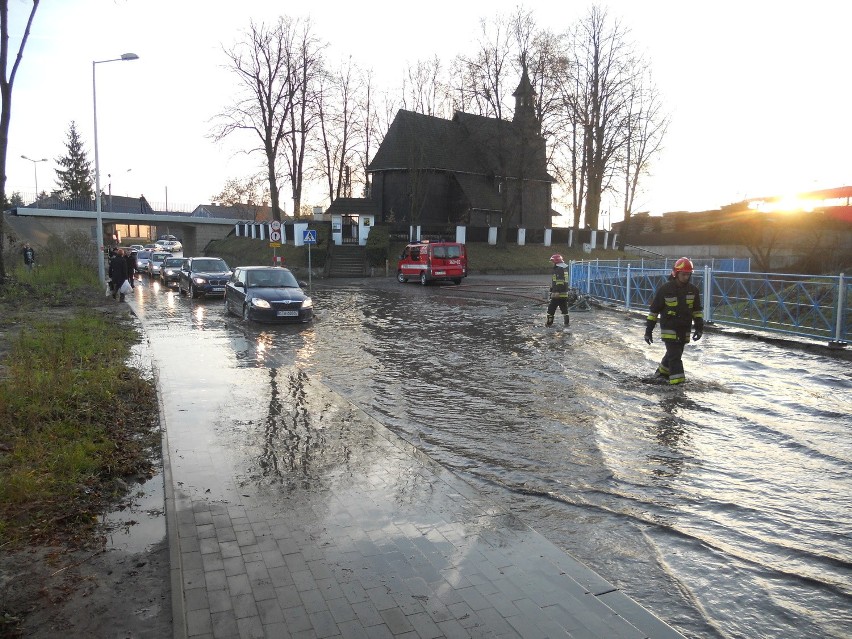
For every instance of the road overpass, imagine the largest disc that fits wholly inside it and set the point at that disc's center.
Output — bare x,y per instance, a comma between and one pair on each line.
36,225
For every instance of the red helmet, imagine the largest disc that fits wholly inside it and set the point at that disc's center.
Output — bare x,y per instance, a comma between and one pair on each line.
556,258
683,265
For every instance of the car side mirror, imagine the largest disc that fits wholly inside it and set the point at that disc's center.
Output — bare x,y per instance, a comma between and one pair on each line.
238,284
302,284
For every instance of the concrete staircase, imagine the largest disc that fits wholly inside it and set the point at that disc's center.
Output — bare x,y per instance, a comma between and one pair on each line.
348,260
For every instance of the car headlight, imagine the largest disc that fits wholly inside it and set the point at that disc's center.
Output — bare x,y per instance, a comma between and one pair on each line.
260,303
308,303
199,280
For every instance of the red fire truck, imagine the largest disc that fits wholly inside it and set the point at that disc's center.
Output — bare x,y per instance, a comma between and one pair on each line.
432,261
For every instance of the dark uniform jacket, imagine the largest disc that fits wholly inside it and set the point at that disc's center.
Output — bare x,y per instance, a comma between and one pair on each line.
677,308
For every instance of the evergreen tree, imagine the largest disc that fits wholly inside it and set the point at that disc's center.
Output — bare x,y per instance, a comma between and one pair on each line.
74,179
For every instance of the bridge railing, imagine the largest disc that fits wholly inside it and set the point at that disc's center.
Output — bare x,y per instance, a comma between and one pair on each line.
811,306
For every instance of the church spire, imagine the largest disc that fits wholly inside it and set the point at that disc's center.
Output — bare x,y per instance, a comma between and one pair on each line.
525,99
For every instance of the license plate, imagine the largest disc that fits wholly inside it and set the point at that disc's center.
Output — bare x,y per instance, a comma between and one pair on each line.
288,313
218,289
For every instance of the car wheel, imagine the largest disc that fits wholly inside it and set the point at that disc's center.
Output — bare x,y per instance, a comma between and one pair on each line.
192,292
401,278
246,317
423,280
180,289
457,281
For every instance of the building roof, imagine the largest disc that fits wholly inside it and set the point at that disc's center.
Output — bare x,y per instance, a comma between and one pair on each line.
353,206
466,144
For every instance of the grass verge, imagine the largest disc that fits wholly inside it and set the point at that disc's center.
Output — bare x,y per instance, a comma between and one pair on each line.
75,419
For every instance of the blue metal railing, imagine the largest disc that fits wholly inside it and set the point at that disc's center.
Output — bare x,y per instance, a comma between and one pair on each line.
810,306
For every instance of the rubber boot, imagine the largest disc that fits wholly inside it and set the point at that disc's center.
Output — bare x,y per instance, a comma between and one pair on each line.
121,297
567,319
549,321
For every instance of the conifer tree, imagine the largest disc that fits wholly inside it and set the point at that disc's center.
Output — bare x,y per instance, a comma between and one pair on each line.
74,179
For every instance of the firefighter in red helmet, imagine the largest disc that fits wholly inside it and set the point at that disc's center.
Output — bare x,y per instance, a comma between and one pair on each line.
558,290
677,304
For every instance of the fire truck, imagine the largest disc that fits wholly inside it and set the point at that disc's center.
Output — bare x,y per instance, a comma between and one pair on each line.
432,261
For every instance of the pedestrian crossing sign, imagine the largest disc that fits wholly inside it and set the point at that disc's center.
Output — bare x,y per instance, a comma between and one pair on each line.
309,237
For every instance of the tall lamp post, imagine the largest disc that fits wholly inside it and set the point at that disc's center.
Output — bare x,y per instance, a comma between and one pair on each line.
99,224
35,171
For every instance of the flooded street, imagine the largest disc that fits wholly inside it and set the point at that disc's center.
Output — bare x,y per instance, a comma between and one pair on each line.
723,506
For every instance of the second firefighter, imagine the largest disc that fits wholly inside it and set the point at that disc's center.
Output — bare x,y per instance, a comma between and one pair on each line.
558,290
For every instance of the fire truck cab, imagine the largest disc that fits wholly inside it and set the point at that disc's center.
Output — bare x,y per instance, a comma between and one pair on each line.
432,261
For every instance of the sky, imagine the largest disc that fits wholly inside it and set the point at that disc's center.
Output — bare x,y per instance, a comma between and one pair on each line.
757,90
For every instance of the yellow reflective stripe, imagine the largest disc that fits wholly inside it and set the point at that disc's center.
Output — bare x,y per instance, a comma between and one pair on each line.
677,379
698,314
663,370
652,317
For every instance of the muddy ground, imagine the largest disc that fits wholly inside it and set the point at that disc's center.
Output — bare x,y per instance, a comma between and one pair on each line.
48,592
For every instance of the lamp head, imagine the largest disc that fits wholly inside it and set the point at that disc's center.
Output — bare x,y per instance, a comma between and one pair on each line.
129,56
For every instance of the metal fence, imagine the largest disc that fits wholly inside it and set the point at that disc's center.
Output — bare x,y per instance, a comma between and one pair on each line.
810,306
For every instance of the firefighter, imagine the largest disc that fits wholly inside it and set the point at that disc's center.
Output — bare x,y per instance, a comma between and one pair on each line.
678,305
558,290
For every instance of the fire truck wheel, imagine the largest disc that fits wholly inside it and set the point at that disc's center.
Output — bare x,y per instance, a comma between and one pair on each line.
401,278
423,280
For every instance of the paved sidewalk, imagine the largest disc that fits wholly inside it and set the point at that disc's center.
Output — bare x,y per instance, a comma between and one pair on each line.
292,513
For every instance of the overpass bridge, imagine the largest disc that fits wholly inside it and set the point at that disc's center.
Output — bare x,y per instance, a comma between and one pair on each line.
35,225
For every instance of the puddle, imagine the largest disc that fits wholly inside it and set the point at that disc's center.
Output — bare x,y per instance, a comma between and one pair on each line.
141,523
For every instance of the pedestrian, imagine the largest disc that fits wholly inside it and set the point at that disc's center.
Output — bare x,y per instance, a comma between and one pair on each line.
677,303
558,290
118,273
29,256
130,256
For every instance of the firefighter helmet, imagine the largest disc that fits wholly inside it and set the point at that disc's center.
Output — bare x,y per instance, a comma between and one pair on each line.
683,265
556,258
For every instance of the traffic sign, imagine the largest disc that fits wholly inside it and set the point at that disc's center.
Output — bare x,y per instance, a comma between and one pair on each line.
275,225
309,237
275,236
275,245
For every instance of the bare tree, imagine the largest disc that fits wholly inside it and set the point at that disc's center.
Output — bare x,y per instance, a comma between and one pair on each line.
340,119
263,63
307,69
6,84
646,128
424,89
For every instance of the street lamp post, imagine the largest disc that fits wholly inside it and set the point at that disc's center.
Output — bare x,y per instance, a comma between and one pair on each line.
35,171
99,224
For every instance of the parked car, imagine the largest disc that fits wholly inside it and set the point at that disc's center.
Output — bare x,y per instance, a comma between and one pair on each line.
170,271
168,238
142,259
172,246
156,263
432,261
267,294
151,247
201,276
136,247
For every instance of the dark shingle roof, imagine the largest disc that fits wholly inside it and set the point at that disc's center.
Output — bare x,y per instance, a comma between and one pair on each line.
353,206
466,144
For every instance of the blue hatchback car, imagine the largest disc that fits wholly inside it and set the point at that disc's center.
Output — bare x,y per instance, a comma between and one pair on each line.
267,294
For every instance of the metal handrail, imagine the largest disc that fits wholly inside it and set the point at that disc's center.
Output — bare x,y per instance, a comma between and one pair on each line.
809,306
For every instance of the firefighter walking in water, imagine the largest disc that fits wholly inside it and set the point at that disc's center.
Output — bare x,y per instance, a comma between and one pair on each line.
677,303
558,290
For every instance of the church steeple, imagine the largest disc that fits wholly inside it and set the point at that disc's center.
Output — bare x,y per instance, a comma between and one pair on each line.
525,100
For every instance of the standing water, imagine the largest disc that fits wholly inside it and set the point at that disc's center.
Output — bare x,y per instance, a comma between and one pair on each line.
723,505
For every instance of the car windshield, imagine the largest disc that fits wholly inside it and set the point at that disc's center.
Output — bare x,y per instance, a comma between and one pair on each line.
143,255
173,261
271,279
159,257
210,265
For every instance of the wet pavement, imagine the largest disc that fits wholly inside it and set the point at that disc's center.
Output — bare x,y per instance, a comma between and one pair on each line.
293,513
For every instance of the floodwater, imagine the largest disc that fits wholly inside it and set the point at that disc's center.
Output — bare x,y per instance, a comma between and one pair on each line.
724,505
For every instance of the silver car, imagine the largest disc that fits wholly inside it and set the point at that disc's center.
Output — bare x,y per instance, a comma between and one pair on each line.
156,263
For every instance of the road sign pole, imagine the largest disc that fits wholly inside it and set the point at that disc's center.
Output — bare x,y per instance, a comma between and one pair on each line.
309,269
